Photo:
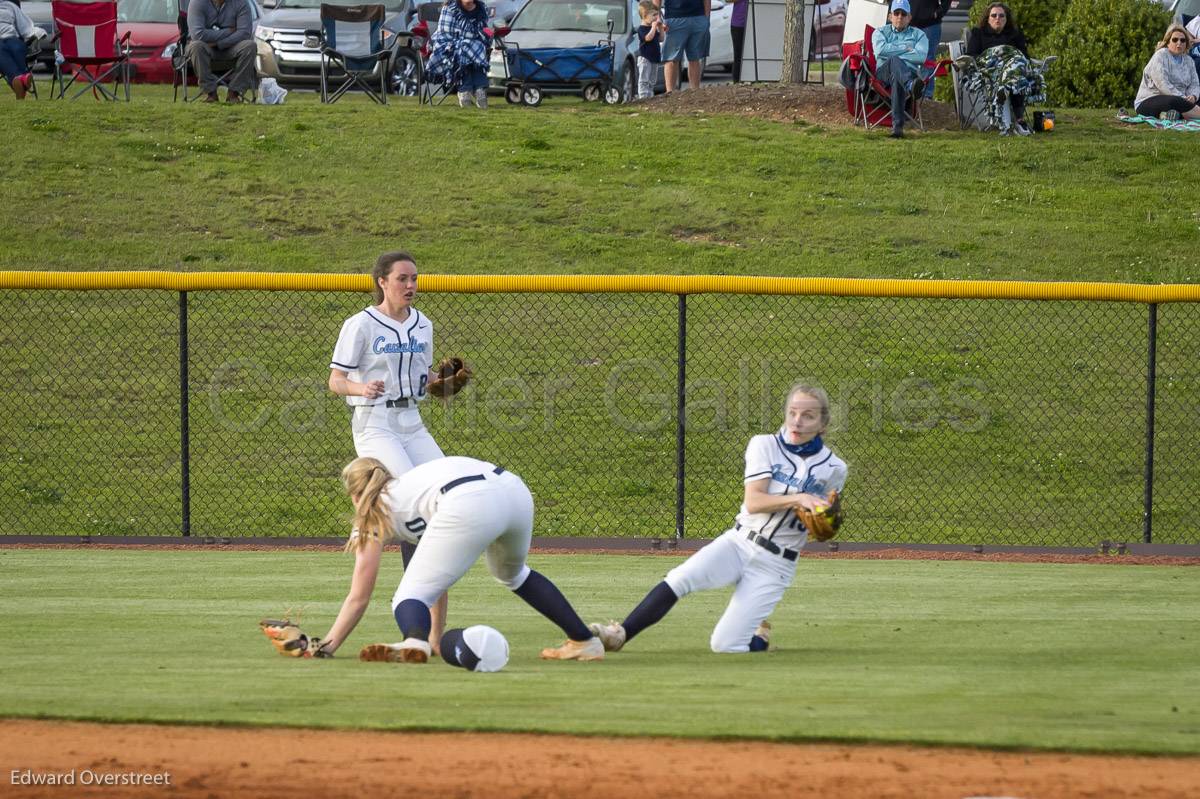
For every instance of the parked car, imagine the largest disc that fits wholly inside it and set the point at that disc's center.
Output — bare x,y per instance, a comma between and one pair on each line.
153,26
283,53
574,23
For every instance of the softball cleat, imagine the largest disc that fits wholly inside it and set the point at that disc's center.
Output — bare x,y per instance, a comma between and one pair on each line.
591,649
411,650
612,635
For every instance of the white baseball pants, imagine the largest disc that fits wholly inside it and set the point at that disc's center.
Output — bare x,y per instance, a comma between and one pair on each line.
760,579
395,436
493,517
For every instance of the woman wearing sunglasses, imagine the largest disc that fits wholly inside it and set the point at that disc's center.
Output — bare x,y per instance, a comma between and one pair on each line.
1003,71
1170,85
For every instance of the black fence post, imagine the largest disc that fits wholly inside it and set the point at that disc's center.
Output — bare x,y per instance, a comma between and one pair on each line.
680,414
184,459
1151,377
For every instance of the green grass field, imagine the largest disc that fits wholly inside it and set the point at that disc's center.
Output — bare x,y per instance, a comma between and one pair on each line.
950,413
1076,657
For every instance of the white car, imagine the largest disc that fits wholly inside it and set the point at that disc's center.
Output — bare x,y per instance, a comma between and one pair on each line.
720,42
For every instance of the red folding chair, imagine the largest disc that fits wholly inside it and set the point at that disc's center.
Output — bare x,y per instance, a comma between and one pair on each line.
868,99
87,40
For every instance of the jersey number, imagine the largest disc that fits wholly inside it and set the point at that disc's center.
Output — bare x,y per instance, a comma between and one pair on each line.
421,387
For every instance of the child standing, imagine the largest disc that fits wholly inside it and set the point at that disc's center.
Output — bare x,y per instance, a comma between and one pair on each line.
650,37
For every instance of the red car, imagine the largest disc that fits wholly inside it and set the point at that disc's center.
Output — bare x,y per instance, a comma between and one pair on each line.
153,26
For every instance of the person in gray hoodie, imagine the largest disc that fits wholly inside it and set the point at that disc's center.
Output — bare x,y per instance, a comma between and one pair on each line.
221,30
1170,86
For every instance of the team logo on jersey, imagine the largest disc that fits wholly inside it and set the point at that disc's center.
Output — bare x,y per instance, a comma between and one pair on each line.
787,479
380,346
415,526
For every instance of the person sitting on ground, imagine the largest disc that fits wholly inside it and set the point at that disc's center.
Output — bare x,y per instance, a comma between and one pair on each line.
899,56
15,29
221,30
460,51
1170,85
1002,70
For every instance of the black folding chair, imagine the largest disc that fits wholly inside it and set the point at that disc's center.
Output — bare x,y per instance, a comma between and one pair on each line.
351,42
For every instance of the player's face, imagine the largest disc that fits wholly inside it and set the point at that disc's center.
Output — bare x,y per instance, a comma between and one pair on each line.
803,422
400,285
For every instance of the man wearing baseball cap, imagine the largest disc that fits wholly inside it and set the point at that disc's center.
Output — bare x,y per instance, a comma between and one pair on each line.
900,51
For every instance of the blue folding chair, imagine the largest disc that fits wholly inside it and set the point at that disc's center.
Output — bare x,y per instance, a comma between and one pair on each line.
351,42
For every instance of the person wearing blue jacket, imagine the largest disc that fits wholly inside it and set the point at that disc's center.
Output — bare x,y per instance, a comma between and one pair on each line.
900,52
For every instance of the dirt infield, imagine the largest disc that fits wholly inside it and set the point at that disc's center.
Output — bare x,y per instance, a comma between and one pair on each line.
206,762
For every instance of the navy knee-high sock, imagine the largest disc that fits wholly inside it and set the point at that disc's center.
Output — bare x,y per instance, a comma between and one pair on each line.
414,619
657,603
544,597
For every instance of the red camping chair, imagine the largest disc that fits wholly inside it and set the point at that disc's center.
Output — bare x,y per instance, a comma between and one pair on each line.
87,40
868,99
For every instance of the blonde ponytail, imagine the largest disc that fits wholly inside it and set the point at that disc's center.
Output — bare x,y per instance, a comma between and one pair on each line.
366,478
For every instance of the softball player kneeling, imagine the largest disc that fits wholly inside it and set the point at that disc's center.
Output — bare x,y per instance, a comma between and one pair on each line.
786,470
447,513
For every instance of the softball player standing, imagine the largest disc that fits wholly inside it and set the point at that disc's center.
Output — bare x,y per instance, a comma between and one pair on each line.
381,365
789,469
458,509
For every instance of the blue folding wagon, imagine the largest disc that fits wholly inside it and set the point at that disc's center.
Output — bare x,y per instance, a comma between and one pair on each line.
537,71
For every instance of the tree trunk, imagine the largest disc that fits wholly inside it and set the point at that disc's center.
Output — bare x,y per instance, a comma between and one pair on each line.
793,43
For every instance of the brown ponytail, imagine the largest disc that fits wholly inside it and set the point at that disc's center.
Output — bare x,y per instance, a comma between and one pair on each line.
366,478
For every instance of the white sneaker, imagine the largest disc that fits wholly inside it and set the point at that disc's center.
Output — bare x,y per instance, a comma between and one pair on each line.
481,98
612,635
591,649
410,650
1022,130
465,99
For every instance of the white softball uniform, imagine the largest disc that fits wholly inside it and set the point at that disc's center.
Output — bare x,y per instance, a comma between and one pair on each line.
373,346
458,509
759,553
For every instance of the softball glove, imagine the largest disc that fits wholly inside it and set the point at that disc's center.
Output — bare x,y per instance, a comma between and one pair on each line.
290,641
824,524
453,374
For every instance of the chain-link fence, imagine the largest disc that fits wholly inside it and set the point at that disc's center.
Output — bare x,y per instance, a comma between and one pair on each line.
987,422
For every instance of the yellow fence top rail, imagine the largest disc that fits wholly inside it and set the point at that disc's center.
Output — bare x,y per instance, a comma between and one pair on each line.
587,284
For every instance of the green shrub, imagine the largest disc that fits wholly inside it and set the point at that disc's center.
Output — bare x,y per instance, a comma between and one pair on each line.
1102,46
1035,18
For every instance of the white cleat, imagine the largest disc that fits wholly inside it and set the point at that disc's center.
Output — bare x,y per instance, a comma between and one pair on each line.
612,635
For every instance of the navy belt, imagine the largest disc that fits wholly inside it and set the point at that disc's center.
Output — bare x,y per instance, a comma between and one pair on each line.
471,478
400,403
768,544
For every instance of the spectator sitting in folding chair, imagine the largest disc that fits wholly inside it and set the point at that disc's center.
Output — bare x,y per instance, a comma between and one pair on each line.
900,51
1000,69
15,29
221,30
460,51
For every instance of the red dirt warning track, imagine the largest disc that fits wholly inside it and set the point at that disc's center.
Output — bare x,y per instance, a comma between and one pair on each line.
208,763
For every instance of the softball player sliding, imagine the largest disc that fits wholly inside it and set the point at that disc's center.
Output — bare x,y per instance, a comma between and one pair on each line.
786,470
381,365
457,508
